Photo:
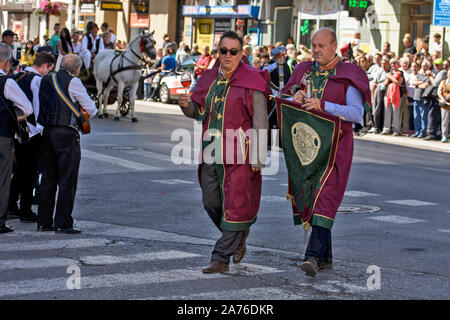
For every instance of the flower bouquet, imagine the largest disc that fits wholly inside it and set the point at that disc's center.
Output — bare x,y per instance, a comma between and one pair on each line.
47,9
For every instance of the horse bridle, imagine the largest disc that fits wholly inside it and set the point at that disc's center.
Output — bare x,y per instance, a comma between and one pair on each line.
146,46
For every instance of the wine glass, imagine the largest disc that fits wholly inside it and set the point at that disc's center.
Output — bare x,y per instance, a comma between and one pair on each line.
186,81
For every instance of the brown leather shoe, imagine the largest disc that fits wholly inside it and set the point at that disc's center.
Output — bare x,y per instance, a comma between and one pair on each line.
240,251
326,265
216,267
311,266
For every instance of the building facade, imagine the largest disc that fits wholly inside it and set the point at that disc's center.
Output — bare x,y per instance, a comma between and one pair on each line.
266,21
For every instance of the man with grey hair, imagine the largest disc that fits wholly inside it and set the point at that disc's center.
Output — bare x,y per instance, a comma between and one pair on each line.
60,97
10,95
340,89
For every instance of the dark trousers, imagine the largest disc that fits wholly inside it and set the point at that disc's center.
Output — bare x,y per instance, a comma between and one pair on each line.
230,240
319,245
6,162
23,181
378,112
434,120
61,157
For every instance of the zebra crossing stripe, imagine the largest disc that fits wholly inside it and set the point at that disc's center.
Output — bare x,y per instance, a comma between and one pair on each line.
54,244
412,203
396,219
260,293
149,256
359,194
99,260
117,161
25,264
123,279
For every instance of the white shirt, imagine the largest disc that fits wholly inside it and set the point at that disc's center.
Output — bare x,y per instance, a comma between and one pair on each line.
78,92
84,43
77,48
437,46
113,37
13,93
35,84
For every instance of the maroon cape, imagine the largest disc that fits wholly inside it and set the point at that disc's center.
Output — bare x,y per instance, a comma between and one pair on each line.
240,187
332,191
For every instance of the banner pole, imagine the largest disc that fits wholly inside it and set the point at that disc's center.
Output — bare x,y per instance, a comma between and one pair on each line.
306,239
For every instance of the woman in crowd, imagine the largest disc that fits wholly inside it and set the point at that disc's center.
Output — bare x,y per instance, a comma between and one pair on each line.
64,46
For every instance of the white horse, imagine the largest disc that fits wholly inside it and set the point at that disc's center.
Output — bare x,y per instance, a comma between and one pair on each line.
123,70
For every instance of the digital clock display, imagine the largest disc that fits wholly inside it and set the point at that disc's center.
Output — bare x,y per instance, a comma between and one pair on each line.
358,4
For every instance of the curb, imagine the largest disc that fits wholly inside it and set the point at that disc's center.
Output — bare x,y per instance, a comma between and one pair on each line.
430,145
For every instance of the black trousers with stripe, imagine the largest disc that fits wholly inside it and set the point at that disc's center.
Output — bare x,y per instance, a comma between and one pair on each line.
61,155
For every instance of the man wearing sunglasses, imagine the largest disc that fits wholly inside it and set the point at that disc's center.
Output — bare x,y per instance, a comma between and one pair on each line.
341,89
231,102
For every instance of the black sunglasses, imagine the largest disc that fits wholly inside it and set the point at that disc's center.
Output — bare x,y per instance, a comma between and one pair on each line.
232,51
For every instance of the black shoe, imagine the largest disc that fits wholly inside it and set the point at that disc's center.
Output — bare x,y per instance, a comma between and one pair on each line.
70,230
45,228
13,214
29,218
5,229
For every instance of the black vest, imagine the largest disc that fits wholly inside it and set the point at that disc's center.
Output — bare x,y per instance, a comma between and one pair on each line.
24,80
53,111
6,121
89,46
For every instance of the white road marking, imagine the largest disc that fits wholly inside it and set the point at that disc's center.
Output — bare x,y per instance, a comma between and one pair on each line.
54,244
261,293
117,161
173,181
273,198
150,155
25,264
438,170
396,219
118,279
266,178
141,257
358,194
412,202
38,263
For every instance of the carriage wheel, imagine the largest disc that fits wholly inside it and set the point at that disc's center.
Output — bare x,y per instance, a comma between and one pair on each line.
125,106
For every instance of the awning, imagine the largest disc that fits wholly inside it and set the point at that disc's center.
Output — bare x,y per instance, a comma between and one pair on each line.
242,11
18,8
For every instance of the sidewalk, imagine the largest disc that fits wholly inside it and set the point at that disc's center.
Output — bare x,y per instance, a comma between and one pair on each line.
434,145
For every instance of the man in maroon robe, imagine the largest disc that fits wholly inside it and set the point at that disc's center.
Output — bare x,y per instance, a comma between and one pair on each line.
230,100
341,89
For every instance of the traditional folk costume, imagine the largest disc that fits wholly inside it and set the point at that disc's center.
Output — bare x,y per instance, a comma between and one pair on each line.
343,89
231,190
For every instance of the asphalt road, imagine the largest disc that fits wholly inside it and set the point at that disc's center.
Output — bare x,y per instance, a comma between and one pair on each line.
146,235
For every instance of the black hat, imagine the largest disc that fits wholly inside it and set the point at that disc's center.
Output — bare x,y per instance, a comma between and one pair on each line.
8,33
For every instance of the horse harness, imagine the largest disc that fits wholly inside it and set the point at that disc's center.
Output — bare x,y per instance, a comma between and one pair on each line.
133,66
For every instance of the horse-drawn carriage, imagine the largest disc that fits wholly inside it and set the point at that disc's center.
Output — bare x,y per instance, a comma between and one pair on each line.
116,76
91,87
